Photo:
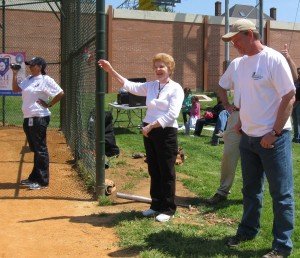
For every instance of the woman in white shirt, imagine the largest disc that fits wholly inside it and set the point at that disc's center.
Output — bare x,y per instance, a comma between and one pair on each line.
163,101
36,90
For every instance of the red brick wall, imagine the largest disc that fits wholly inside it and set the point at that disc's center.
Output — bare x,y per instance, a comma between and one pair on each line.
134,42
36,33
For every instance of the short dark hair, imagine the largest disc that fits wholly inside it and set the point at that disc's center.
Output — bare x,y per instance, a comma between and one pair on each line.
195,98
187,90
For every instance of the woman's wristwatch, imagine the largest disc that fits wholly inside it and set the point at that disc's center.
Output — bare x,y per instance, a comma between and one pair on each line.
275,133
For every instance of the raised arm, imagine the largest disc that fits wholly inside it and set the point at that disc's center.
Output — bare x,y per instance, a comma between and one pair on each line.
107,67
15,86
290,61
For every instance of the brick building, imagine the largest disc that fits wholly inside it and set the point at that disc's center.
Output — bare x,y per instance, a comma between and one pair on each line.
133,37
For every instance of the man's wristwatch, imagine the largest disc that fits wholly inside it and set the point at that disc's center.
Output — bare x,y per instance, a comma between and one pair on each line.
274,133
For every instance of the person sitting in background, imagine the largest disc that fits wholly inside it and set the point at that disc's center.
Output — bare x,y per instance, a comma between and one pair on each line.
186,104
210,116
194,115
220,127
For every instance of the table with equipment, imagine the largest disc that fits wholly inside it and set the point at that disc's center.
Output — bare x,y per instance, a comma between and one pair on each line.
128,111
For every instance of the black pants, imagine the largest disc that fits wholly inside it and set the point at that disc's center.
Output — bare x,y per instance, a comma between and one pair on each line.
200,123
36,132
184,116
161,150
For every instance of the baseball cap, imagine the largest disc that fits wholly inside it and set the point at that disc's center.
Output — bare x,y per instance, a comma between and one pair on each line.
238,26
37,61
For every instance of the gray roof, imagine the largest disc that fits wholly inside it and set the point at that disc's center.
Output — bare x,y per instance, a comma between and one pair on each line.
246,11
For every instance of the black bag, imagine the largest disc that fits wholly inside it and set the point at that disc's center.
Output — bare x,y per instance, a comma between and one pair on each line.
111,148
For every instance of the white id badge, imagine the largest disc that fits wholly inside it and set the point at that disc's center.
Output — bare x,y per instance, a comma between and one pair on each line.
30,121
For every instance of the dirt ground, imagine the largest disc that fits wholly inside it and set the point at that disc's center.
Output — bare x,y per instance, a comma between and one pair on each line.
62,220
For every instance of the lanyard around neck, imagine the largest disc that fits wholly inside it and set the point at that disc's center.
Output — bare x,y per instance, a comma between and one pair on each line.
160,89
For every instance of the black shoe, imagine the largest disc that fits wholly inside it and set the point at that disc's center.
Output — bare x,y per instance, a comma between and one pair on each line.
26,182
217,198
214,143
237,239
275,254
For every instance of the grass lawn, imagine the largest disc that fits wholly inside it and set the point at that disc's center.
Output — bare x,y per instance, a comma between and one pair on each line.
11,112
203,235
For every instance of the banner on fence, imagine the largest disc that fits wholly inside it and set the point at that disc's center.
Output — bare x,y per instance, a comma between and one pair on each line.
6,73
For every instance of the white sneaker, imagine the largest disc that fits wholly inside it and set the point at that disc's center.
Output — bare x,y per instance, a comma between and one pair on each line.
164,217
149,213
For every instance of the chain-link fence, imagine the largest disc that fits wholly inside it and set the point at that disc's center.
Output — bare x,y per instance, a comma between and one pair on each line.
62,32
32,27
78,75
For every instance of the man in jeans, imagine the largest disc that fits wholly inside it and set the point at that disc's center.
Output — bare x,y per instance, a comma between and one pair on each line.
231,153
267,94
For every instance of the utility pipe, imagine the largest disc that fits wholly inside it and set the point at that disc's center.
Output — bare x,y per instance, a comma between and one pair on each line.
146,200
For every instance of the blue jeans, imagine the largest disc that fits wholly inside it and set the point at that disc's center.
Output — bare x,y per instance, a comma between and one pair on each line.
276,165
222,121
220,125
296,123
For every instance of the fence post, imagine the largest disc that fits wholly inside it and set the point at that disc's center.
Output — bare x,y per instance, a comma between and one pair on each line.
3,51
100,98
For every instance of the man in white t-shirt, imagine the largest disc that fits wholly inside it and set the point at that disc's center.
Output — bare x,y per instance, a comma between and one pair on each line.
267,94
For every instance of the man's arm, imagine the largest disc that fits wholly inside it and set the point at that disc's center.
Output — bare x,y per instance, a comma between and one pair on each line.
223,96
284,111
290,61
222,93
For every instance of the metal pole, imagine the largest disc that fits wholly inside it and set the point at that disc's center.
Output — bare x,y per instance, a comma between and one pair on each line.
261,19
146,199
3,51
227,61
100,98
